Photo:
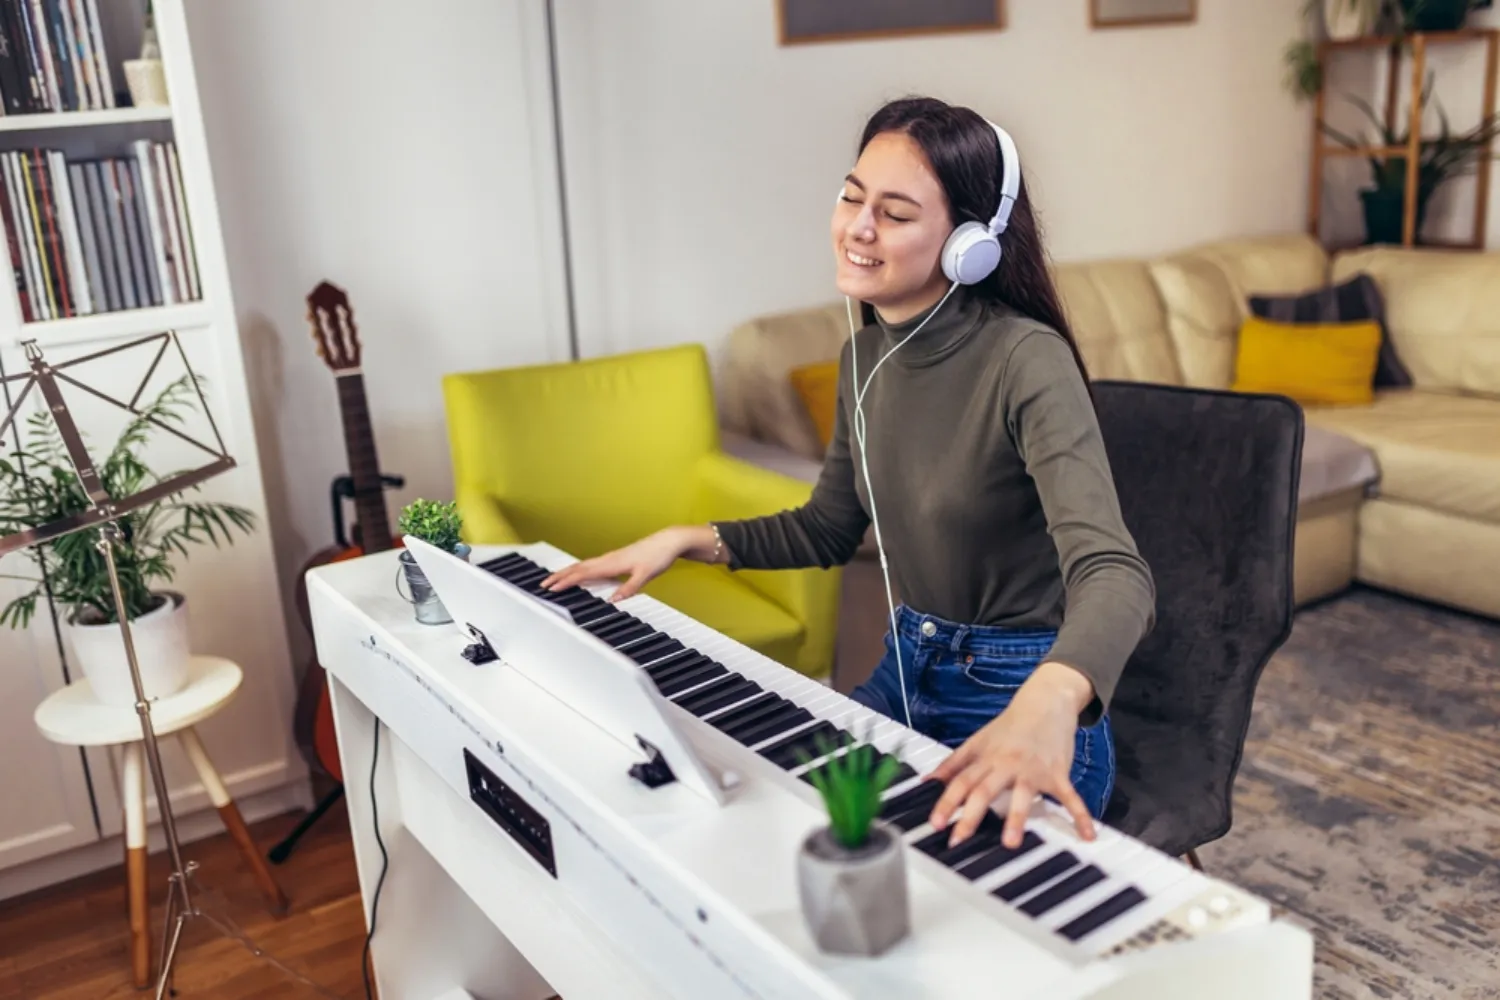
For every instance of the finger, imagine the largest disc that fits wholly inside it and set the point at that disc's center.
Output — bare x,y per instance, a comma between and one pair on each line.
629,587
1015,821
1070,800
566,576
976,806
952,764
957,790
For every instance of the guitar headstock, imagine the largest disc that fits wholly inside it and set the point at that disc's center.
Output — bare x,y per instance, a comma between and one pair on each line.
333,328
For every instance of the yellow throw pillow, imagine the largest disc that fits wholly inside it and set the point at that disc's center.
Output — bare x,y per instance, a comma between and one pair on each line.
818,387
1313,363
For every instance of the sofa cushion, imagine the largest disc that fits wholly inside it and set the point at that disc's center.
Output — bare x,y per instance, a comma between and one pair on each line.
817,385
755,392
1346,302
1317,364
1442,308
1205,292
1434,450
1117,320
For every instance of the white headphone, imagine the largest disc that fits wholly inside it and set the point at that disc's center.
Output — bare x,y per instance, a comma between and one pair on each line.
972,251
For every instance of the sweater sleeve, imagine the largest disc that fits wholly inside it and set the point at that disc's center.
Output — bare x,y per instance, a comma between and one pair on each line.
825,531
1110,600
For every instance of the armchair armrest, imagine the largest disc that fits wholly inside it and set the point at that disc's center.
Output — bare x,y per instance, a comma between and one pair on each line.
731,489
485,522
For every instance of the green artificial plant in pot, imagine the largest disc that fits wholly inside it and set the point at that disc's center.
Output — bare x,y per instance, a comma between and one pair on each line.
441,526
38,485
1440,159
851,872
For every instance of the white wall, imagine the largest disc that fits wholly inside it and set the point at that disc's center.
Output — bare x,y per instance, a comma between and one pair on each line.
401,151
703,158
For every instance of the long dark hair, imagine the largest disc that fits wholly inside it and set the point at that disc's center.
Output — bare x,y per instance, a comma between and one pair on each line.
964,153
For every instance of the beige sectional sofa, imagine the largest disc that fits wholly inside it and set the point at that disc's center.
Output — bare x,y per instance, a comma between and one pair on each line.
1403,493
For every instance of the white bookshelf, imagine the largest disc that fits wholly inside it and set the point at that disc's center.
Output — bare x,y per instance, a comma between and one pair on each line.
63,812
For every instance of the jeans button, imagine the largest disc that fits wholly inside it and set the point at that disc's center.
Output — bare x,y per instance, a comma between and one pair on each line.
929,629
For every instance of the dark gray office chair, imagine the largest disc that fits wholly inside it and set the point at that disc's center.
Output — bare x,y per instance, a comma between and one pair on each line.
1208,486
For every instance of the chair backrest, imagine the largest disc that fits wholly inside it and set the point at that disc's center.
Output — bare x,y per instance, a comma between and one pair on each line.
590,454
1207,481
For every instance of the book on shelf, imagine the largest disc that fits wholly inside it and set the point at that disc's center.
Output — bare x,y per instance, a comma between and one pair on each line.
52,57
97,234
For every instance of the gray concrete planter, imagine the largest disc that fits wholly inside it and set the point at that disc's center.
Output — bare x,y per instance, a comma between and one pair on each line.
855,901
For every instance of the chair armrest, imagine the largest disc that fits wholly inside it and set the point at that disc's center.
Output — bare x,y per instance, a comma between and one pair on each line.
485,522
730,489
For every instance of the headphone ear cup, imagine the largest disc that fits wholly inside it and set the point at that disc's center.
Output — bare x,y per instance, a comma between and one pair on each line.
970,254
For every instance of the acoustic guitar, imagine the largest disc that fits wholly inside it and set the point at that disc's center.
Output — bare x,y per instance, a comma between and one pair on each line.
337,339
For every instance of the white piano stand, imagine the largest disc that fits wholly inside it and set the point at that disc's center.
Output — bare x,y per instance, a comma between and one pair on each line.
659,893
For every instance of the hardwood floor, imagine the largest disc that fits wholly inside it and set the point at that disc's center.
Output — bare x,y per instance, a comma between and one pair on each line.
72,942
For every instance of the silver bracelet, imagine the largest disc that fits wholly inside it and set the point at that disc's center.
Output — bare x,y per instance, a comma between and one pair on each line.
718,544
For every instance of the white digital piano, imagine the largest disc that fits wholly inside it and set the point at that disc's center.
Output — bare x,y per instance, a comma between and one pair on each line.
596,800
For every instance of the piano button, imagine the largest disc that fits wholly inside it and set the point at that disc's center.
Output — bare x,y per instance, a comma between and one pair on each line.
1037,876
1121,902
658,648
770,727
785,752
726,698
688,679
999,855
665,670
1062,891
750,713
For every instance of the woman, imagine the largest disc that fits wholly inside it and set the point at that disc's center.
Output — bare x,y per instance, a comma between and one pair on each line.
965,410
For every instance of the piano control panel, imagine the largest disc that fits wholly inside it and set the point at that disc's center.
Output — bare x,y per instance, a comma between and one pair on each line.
514,814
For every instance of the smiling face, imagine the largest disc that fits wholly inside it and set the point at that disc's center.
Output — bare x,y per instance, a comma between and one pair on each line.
889,228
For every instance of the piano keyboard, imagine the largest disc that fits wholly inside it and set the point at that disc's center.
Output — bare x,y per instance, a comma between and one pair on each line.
1104,895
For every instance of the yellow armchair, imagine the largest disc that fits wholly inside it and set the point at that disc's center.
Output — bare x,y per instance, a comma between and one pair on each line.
592,455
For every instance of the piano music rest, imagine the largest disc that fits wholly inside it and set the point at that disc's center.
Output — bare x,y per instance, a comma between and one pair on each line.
525,861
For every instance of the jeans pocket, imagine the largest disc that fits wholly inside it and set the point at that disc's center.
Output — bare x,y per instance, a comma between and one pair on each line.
1000,674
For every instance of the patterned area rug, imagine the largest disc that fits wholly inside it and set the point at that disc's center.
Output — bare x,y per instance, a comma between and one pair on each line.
1368,803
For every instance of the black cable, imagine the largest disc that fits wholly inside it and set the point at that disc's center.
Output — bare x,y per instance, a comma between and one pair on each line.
384,863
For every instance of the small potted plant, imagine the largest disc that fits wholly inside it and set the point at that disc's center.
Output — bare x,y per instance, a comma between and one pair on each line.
38,485
851,872
439,525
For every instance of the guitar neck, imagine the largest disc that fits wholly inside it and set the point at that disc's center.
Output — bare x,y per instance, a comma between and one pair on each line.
364,464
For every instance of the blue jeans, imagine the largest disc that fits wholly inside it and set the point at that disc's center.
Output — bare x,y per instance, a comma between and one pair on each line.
959,677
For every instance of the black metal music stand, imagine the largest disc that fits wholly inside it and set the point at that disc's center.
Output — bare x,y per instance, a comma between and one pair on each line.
103,513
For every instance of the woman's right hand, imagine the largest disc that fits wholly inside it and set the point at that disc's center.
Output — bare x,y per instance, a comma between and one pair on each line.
640,562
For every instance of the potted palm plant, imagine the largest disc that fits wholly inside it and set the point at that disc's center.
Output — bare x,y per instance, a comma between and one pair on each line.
439,525
1440,159
851,872
38,485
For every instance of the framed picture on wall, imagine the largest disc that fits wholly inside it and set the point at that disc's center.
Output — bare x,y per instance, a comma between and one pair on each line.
799,22
1136,13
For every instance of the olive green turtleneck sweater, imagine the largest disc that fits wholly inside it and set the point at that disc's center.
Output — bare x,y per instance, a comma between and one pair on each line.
991,483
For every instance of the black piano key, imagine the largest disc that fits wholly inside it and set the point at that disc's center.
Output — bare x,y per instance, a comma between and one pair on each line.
575,598
999,855
616,619
659,648
1037,875
764,716
664,670
1120,903
529,575
903,772
1063,891
631,636
785,753
923,795
763,702
783,720
713,686
982,839
509,561
590,613
688,679
729,696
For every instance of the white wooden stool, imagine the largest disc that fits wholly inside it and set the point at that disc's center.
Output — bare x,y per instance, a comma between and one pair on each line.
73,716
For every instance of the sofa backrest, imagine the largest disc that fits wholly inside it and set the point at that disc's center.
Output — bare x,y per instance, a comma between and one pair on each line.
1205,292
1442,312
1117,319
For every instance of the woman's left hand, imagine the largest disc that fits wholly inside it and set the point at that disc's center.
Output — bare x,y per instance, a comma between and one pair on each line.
1028,749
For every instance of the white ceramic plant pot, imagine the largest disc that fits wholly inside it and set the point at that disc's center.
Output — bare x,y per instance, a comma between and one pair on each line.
160,637
855,902
1344,21
147,81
